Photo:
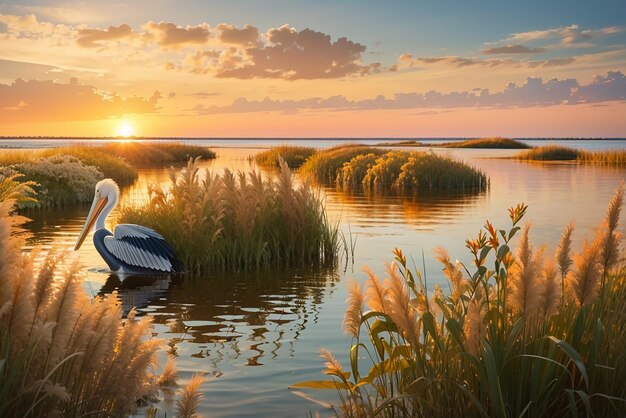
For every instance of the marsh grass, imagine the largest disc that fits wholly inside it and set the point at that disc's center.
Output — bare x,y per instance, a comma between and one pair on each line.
293,156
494,143
501,342
325,165
141,154
561,153
239,221
62,353
411,172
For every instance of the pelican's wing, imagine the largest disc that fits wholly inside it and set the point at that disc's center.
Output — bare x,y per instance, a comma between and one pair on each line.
140,246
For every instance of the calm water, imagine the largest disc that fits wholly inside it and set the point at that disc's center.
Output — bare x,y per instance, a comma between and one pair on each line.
254,335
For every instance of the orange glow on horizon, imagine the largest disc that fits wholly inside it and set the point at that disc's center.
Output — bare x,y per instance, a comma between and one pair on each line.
125,130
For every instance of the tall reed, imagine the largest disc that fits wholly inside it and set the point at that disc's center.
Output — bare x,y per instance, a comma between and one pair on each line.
503,343
61,353
239,221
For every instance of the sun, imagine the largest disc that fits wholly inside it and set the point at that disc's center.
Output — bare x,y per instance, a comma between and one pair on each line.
126,130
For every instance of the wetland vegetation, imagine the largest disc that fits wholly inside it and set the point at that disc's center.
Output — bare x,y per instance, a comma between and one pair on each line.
560,153
243,220
517,333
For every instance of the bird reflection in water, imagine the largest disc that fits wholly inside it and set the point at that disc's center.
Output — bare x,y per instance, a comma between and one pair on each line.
137,291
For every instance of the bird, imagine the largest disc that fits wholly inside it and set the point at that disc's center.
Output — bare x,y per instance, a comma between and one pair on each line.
130,249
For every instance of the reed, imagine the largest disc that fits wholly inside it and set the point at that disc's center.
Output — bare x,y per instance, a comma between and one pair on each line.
560,153
293,156
61,353
324,166
377,169
503,343
239,221
495,143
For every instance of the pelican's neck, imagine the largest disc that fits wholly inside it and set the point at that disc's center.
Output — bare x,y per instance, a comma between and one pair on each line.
100,222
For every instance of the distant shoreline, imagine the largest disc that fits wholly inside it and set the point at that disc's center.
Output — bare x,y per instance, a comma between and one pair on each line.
178,138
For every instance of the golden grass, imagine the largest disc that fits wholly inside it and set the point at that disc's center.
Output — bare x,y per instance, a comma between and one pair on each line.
141,154
325,165
294,156
493,143
243,221
505,342
561,153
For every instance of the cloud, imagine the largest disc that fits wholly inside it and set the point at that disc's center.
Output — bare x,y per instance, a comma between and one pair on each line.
28,26
171,35
513,49
36,101
230,34
534,92
409,61
297,55
93,38
572,35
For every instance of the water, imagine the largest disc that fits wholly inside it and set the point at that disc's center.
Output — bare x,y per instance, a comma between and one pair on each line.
255,334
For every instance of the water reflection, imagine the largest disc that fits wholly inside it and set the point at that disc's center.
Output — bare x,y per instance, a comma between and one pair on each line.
423,211
242,318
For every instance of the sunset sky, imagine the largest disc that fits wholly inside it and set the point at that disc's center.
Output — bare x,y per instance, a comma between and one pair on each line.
313,68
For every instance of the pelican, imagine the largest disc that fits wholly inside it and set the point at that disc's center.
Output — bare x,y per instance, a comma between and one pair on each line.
130,249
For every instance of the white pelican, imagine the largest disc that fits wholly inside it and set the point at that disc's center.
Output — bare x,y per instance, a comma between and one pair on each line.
131,249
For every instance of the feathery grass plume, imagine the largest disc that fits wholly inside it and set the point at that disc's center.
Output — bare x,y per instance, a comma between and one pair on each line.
550,290
333,367
190,397
399,307
585,278
170,373
352,318
324,165
610,238
458,284
563,258
524,292
11,188
474,327
374,292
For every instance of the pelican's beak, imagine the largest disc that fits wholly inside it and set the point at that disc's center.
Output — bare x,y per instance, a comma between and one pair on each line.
94,212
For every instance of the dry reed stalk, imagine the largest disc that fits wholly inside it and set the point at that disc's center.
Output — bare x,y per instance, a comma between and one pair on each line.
187,404
374,292
474,326
550,290
333,367
398,305
352,317
563,257
585,278
524,293
453,273
170,373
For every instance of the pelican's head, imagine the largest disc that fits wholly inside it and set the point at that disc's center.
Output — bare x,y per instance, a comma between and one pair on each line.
106,197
